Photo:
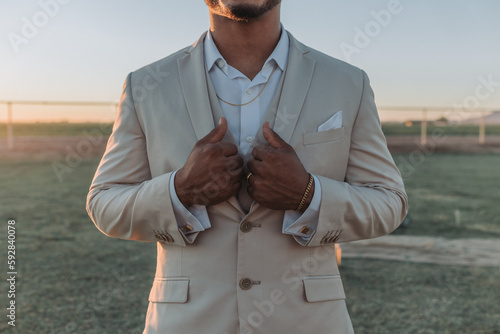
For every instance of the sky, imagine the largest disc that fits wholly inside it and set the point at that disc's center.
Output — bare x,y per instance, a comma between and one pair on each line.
417,53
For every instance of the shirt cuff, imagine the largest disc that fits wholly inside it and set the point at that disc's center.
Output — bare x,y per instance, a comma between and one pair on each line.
190,220
303,225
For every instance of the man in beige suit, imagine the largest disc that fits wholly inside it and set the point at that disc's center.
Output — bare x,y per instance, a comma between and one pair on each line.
247,156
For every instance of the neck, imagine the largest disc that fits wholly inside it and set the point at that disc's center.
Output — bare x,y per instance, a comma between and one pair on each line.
246,45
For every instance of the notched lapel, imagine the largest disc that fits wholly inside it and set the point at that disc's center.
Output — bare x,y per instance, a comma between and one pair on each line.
298,78
217,113
194,87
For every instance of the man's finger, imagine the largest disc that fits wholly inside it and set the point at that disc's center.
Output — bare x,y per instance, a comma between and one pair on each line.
217,133
237,175
259,152
227,149
254,166
250,164
274,140
234,162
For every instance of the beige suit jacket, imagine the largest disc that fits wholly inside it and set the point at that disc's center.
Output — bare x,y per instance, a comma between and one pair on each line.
243,275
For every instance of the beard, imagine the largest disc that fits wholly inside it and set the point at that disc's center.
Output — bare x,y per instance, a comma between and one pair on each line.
243,12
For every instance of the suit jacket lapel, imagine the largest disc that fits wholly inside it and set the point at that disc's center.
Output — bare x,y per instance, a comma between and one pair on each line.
194,82
297,80
228,138
194,87
217,112
298,76
294,87
284,111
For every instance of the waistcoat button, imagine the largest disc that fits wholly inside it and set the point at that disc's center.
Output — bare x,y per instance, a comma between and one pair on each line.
246,283
246,227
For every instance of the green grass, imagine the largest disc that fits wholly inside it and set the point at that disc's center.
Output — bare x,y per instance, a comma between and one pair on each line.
385,297
452,195
73,279
399,129
70,276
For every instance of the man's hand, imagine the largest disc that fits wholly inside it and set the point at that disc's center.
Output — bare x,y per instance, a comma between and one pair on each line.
278,179
213,171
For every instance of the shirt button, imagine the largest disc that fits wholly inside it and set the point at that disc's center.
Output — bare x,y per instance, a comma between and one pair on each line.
249,139
246,227
249,91
221,63
246,283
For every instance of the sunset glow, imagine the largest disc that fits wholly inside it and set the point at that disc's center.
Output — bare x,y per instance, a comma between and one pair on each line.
420,54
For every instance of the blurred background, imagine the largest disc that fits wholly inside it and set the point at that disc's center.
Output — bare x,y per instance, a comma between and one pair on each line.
434,67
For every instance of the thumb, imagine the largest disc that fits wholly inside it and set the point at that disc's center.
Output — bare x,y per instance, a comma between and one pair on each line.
217,133
274,140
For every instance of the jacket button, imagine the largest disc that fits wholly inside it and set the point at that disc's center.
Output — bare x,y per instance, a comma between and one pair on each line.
246,227
246,283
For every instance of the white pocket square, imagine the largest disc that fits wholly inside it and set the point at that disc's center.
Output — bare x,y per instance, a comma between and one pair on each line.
333,122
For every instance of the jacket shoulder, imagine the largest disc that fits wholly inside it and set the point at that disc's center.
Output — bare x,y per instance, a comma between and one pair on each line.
160,67
167,64
329,65
170,60
340,65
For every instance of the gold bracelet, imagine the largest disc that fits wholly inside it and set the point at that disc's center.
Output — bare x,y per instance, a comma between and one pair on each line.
308,189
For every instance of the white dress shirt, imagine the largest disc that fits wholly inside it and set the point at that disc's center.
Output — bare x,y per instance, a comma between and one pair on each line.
244,122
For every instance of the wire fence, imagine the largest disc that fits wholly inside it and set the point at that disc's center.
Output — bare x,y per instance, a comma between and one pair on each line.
454,117
423,116
10,112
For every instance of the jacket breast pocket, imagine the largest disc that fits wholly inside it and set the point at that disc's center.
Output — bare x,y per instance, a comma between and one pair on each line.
170,290
323,288
325,153
323,136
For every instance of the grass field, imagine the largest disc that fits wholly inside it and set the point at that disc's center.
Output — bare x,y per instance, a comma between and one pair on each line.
452,195
75,129
73,279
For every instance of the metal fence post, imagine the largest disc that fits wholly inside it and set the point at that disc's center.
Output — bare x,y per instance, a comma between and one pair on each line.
423,127
482,130
10,132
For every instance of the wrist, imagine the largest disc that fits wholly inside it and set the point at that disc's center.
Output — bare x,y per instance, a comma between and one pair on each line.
180,190
307,196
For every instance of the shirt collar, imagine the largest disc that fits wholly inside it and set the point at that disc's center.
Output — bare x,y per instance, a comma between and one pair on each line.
279,54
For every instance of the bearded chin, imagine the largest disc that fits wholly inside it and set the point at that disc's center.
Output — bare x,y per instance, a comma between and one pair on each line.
246,12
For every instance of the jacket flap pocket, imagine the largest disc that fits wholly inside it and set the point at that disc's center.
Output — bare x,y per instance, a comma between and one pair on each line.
166,290
323,136
323,288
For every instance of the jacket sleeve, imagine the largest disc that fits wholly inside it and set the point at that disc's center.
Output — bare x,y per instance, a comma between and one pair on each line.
124,201
371,202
